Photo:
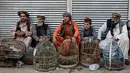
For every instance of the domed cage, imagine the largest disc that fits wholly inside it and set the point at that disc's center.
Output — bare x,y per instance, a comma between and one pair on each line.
45,58
11,48
113,57
90,53
68,54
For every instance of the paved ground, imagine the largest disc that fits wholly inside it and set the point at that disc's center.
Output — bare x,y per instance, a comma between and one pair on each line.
79,69
30,69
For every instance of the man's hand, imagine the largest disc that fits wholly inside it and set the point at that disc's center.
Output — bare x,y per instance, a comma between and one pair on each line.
47,39
116,39
97,41
42,39
54,40
74,39
22,33
17,33
86,38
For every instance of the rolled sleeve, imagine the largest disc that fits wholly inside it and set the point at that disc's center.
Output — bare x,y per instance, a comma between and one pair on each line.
76,29
58,29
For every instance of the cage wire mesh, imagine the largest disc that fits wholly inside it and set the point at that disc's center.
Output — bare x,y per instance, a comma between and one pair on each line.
68,54
113,57
90,53
45,58
10,51
11,48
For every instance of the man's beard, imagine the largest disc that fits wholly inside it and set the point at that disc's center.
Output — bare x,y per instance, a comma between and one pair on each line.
23,20
39,24
115,21
66,21
113,25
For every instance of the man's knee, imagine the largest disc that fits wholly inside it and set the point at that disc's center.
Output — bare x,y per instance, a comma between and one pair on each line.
29,38
125,40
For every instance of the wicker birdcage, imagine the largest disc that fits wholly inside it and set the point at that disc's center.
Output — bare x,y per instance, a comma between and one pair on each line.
68,54
45,58
90,53
11,48
10,51
7,62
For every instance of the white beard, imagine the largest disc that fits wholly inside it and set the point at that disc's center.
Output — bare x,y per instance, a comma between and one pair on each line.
39,24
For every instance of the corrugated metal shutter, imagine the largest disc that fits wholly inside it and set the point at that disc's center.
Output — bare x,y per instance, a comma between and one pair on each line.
52,9
98,10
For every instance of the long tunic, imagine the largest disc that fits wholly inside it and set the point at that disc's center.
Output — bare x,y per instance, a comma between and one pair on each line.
123,38
67,33
27,40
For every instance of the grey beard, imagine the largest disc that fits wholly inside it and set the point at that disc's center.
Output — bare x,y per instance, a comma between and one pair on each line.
115,21
39,24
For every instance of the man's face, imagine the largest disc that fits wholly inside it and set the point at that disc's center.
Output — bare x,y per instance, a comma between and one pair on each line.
66,19
40,20
86,25
115,18
23,17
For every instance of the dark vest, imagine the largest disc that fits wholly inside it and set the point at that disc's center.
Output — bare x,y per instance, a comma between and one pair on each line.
63,29
111,27
128,28
19,29
88,33
41,30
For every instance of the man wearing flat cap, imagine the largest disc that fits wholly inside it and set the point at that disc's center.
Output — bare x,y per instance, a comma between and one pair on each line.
23,29
115,30
67,29
42,29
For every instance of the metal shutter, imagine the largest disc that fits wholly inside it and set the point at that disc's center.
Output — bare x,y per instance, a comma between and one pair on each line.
52,9
98,10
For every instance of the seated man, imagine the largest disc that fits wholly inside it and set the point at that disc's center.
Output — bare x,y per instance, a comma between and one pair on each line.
115,30
89,45
68,29
88,32
42,29
23,29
